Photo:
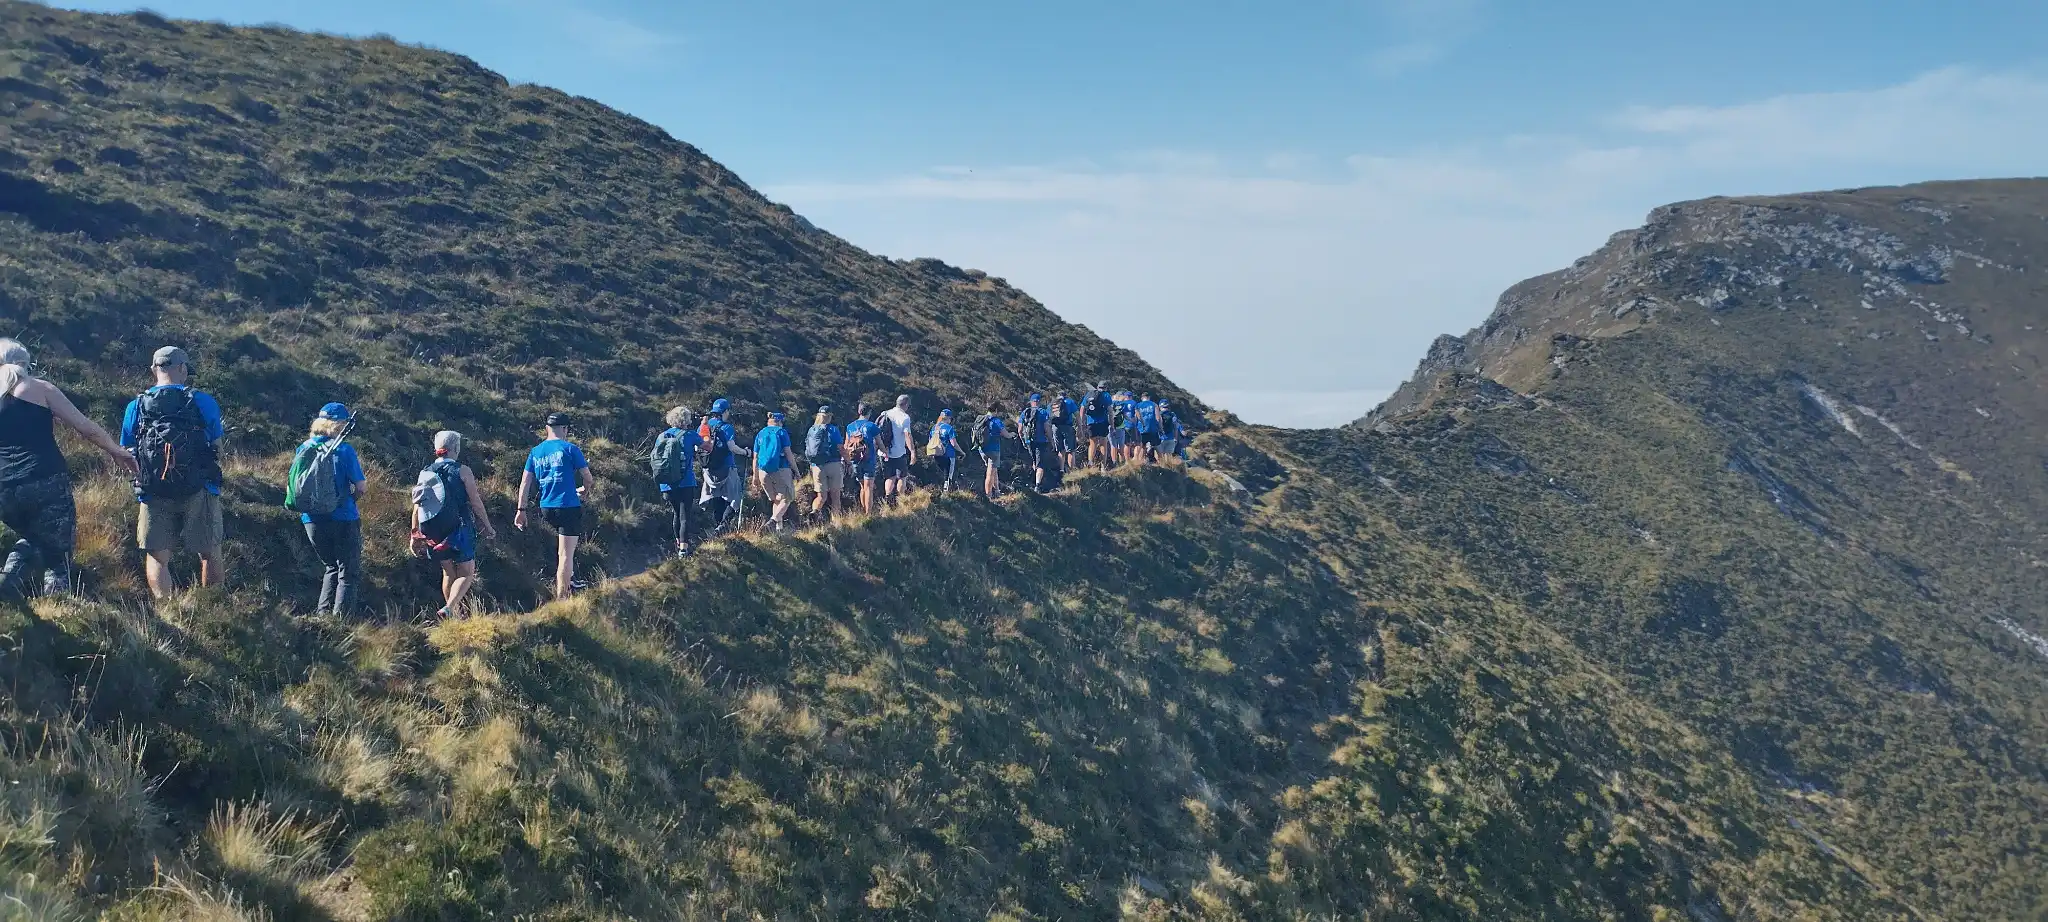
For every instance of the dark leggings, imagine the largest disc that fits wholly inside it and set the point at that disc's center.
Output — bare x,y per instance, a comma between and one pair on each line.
339,545
679,504
45,520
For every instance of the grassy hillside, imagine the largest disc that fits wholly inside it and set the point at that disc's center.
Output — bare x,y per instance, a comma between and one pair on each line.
1141,699
318,218
1669,641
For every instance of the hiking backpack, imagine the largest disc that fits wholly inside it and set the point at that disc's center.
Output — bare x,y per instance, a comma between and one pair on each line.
670,460
857,445
885,436
821,444
1169,424
310,488
1060,416
171,448
1098,406
440,498
718,456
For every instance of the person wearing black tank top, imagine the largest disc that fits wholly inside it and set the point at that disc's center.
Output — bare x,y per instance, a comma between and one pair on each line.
35,483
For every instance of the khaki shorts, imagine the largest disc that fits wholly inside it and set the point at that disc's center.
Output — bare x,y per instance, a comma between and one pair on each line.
781,484
827,478
192,523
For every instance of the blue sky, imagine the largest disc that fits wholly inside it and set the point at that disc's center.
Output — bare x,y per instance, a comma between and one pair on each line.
1279,204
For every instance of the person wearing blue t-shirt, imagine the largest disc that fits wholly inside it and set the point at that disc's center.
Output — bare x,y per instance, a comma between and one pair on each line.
825,448
945,449
1147,415
557,469
680,495
775,469
992,428
1035,427
864,467
1065,417
724,486
337,537
1123,413
176,517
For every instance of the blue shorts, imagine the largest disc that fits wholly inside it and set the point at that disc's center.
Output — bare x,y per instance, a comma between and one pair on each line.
459,548
1065,439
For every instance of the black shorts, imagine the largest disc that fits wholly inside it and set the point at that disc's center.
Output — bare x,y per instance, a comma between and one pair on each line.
1098,430
893,468
566,521
1149,438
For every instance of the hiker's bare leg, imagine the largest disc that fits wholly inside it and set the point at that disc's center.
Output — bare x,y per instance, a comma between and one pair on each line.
156,565
211,571
565,564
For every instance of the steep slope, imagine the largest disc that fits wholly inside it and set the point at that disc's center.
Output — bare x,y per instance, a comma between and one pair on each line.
1779,464
1139,699
318,218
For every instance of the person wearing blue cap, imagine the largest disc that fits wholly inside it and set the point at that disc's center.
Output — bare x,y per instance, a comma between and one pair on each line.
775,469
724,488
326,477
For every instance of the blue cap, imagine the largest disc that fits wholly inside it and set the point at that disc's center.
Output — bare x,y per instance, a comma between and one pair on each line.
945,414
720,405
1036,398
775,416
334,411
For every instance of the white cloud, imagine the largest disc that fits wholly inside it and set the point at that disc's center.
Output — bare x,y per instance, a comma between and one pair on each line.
1418,33
615,39
1273,278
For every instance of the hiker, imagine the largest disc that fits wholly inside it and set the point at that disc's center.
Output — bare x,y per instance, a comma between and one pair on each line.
326,477
674,465
1169,430
775,469
1096,404
988,440
1064,415
557,470
35,483
860,450
824,447
174,431
901,453
447,518
1034,426
1148,428
944,450
724,489
1119,428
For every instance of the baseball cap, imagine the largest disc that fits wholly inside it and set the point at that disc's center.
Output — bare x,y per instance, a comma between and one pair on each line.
335,411
170,355
775,415
826,409
558,419
720,405
946,413
1036,398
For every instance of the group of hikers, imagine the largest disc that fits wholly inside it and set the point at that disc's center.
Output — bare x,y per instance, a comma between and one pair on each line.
702,468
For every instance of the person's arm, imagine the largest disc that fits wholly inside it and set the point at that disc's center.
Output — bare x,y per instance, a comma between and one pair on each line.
61,407
476,505
583,480
128,419
209,410
358,482
525,488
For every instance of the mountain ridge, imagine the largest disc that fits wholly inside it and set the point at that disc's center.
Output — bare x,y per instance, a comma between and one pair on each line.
1657,638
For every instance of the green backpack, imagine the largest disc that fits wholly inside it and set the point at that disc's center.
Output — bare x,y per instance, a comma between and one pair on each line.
310,488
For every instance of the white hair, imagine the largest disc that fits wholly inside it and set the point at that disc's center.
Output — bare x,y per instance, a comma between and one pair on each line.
449,442
903,402
680,417
13,367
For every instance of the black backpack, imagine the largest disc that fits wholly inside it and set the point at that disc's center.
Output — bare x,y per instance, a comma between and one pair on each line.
1169,424
978,439
1098,406
171,447
718,456
885,437
1059,414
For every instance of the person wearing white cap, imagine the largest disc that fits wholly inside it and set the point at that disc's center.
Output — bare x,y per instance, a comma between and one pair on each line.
174,431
